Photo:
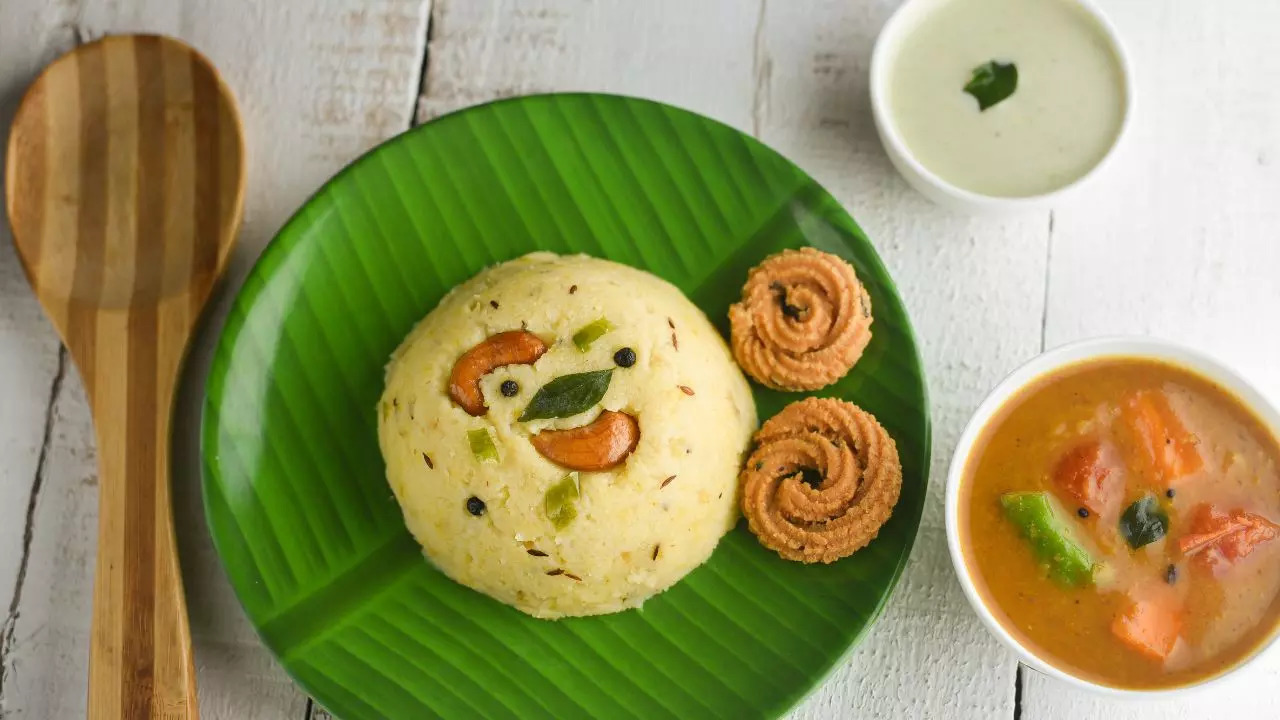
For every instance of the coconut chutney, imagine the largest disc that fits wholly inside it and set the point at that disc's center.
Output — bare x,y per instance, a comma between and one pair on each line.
1063,117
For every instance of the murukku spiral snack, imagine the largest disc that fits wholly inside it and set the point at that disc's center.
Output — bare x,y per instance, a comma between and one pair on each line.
822,480
803,321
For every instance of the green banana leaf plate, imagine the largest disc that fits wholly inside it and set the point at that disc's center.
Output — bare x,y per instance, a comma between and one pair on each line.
294,484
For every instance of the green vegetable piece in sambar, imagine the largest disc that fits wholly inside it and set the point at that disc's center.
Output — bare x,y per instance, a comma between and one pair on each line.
1048,529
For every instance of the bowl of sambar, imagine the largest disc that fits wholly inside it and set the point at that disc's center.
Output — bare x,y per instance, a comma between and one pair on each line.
1113,515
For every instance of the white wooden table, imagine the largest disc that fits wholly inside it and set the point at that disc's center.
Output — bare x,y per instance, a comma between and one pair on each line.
1178,239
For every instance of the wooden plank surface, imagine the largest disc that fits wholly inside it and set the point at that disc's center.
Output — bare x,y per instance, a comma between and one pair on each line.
1176,241
31,34
318,84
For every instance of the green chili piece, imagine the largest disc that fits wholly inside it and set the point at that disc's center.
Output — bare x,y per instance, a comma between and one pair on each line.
1048,529
561,501
591,332
482,447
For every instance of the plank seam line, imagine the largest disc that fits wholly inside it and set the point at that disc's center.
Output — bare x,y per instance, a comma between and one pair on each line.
420,89
762,69
1048,270
314,711
37,484
1017,693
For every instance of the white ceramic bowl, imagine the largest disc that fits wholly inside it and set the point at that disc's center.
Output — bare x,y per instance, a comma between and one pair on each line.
904,19
1099,348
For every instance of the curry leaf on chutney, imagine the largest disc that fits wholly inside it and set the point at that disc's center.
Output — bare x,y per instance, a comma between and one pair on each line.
992,83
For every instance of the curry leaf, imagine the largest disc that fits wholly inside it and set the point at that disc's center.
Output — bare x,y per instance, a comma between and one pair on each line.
568,395
1144,522
992,82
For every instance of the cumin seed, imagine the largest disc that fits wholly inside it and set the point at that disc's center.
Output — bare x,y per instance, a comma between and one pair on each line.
536,552
427,459
571,575
686,390
666,482
557,571
656,548
573,289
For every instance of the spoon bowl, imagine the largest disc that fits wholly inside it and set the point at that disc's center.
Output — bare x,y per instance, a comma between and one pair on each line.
124,187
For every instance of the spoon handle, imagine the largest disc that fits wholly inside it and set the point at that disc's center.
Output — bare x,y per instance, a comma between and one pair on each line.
140,657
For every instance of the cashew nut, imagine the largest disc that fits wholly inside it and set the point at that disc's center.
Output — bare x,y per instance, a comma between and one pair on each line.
515,347
601,445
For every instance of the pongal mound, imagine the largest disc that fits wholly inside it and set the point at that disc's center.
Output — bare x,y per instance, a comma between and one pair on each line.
803,321
546,438
822,480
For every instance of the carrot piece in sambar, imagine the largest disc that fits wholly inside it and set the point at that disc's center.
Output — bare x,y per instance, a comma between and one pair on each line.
1151,622
1161,436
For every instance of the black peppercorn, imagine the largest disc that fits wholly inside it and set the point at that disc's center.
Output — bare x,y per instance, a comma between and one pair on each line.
626,357
509,388
1083,512
1170,493
475,506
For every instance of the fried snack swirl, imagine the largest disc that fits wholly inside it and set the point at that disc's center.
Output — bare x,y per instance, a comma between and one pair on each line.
803,321
860,472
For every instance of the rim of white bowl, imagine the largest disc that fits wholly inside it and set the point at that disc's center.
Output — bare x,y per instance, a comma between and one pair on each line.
888,41
1083,351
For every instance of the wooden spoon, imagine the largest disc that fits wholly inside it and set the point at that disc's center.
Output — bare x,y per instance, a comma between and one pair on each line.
125,182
